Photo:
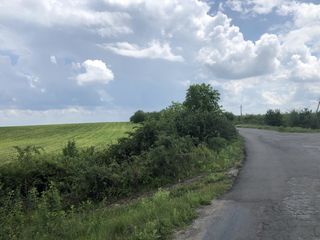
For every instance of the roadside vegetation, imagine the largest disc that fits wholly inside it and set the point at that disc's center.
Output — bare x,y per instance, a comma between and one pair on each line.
86,193
295,121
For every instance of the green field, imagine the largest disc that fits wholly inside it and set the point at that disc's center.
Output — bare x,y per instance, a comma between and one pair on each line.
53,137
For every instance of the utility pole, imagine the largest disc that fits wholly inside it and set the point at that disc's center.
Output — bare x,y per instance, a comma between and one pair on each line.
241,110
317,115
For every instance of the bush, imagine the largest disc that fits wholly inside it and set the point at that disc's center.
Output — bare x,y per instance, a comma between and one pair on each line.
304,118
138,117
70,150
273,118
217,143
135,144
204,125
170,159
257,119
230,116
34,174
26,153
177,142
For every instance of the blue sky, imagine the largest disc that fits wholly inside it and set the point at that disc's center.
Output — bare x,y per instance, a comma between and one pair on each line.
101,60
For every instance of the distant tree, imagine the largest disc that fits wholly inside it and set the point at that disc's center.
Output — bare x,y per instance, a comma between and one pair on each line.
258,119
230,116
274,118
304,118
202,97
293,118
138,117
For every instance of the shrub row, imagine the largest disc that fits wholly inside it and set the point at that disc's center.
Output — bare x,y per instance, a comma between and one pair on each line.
304,118
169,145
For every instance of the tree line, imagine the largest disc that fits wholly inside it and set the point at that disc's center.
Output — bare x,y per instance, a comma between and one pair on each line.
304,118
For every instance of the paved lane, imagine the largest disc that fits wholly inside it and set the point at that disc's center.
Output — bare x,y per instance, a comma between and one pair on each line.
277,195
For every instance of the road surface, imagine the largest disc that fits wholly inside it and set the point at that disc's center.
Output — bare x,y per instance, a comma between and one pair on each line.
277,195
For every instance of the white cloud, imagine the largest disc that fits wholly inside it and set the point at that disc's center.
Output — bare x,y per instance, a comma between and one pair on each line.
278,98
254,6
53,59
96,71
304,14
230,56
305,69
235,5
295,82
124,3
66,13
210,46
236,87
300,51
154,50
185,83
32,80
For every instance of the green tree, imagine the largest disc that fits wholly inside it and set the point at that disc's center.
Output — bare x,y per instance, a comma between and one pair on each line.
138,117
274,117
230,116
203,118
202,97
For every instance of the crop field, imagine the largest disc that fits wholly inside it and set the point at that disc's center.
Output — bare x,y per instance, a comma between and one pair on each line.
53,137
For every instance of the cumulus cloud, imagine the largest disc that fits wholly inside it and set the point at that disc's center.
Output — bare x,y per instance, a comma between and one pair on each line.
154,50
300,54
96,71
254,6
65,13
135,32
278,98
231,57
305,69
295,80
304,14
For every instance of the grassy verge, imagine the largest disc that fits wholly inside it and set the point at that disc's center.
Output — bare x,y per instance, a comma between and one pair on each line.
280,129
152,217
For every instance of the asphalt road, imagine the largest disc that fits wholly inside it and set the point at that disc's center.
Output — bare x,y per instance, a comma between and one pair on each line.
277,195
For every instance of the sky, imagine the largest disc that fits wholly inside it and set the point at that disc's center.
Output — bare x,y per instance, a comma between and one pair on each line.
64,61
